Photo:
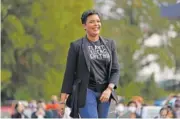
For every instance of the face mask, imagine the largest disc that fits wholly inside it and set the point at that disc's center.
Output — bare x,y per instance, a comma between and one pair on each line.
120,108
132,109
40,112
40,117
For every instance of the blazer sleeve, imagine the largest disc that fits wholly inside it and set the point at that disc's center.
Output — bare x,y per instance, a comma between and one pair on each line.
70,70
115,70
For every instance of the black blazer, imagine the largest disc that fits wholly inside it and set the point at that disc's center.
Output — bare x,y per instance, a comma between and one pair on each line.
78,67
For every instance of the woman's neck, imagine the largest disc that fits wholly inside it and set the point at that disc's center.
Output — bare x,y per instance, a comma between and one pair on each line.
93,39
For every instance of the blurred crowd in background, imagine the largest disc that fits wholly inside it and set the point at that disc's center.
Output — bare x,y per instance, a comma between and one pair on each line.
136,107
32,109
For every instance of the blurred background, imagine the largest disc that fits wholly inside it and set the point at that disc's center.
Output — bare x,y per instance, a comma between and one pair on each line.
35,37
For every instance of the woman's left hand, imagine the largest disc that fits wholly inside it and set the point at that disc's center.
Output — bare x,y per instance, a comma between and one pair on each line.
105,95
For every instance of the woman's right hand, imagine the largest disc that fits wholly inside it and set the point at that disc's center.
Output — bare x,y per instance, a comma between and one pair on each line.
62,103
61,109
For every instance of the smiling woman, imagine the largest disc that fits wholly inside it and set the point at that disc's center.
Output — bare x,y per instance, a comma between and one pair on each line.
92,26
92,72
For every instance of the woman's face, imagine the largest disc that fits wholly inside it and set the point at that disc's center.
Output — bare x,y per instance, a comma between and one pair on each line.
170,114
132,108
92,25
164,113
20,108
120,107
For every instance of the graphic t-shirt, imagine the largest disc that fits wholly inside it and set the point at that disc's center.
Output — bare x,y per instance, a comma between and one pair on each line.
99,61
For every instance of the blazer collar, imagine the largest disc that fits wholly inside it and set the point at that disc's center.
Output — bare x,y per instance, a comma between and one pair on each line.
85,51
109,51
105,44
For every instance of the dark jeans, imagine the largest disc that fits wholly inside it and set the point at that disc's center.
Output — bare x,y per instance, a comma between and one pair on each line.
93,107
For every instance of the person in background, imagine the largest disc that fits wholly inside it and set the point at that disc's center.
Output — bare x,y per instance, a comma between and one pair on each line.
33,105
30,108
132,108
19,111
54,103
27,111
171,113
92,72
171,100
163,112
140,102
54,106
54,99
41,111
177,108
119,110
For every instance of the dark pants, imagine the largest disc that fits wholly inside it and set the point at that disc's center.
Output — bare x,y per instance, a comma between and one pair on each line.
93,107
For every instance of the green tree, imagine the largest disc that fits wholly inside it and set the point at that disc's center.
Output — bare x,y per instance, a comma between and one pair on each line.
35,44
151,90
131,89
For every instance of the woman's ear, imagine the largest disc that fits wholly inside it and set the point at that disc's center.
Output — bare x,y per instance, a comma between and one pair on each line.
84,26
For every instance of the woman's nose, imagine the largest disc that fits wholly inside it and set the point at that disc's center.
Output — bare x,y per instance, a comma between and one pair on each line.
96,24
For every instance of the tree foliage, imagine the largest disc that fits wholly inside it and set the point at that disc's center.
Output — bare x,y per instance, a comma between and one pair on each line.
139,20
35,40
36,36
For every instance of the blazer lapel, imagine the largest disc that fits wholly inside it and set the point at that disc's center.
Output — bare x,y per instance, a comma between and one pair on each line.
105,44
109,51
85,51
